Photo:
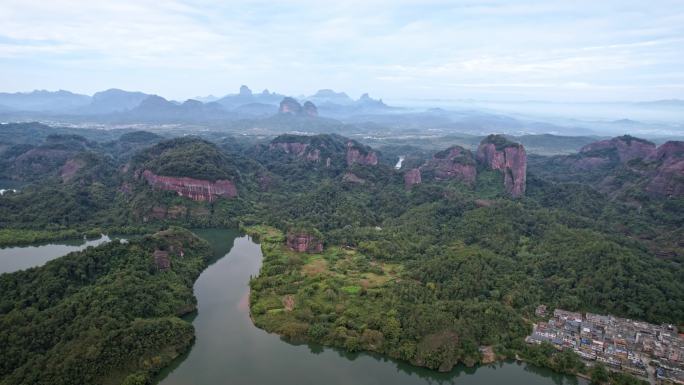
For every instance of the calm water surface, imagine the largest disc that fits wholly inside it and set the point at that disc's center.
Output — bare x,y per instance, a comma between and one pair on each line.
230,350
23,257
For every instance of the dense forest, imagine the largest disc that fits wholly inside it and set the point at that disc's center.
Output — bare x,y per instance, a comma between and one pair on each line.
103,315
428,273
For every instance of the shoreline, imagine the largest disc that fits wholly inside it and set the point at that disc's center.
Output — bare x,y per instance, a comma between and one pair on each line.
257,238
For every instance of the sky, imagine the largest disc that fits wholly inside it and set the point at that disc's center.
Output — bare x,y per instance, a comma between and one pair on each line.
569,51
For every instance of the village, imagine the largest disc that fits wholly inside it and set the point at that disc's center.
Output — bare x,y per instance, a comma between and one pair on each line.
653,352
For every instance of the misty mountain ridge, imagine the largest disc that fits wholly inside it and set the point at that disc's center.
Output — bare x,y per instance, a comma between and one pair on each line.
117,106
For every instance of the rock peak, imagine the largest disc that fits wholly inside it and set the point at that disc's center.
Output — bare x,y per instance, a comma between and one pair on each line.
496,152
195,189
245,91
453,163
291,106
309,109
360,154
667,178
626,147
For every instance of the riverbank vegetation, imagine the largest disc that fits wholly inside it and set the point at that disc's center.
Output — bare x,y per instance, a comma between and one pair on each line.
16,237
104,315
344,298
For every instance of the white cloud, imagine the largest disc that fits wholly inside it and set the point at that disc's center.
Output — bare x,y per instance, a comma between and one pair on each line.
400,47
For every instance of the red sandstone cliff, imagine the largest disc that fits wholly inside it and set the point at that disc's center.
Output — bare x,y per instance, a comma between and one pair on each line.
70,168
497,153
350,177
453,163
300,150
309,109
626,147
292,107
293,148
304,243
357,154
668,177
195,189
412,177
659,171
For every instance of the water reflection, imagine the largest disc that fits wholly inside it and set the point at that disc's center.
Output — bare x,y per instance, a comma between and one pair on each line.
24,257
229,349
435,377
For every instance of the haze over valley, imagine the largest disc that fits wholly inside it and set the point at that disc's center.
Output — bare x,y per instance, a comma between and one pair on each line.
358,192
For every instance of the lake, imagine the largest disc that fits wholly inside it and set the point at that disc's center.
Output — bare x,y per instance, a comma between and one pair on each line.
229,349
24,257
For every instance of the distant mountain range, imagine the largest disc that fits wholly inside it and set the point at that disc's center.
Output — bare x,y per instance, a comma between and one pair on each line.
260,111
116,104
41,100
663,103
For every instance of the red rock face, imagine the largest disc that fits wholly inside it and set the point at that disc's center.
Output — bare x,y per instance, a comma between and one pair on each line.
512,161
488,155
354,155
290,106
304,243
412,177
352,178
195,189
515,174
626,149
668,151
297,149
294,148
456,163
668,178
161,259
309,109
314,156
70,168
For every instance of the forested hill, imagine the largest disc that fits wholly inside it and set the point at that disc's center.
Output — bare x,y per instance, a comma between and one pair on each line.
104,315
463,253
186,157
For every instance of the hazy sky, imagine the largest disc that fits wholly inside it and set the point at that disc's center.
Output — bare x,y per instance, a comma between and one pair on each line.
496,49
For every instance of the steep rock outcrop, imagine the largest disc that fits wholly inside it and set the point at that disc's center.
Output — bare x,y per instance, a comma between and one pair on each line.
161,260
195,189
303,242
309,109
621,167
294,148
412,177
350,177
453,163
359,154
70,168
625,147
290,106
668,177
300,150
498,153
325,150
